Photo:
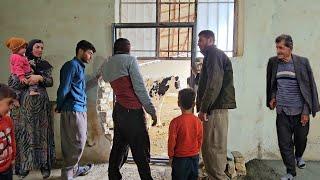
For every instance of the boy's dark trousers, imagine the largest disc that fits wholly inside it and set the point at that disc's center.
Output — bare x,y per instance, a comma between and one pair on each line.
7,175
292,139
185,168
130,130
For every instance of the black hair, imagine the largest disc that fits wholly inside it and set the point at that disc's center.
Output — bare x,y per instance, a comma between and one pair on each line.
186,98
6,92
121,46
207,34
287,40
85,45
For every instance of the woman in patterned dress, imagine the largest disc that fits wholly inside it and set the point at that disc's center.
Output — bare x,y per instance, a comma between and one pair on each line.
33,119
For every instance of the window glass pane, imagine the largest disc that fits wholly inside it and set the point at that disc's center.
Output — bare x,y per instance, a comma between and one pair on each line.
133,12
143,40
217,16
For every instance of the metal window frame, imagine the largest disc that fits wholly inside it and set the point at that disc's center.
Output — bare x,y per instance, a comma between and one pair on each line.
158,4
157,51
192,26
189,25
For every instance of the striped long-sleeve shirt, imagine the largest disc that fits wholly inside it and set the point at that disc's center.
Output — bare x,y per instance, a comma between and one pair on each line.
289,97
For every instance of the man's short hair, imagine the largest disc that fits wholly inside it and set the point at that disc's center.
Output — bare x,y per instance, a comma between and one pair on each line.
85,45
121,46
6,92
186,98
287,40
207,34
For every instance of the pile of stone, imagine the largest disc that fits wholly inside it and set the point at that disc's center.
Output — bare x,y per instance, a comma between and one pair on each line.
235,166
104,107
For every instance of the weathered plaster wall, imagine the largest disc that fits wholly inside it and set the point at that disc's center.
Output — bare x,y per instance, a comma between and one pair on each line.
61,24
252,126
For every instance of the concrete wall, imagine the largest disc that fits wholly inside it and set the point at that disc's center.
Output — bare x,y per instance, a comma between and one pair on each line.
61,24
252,126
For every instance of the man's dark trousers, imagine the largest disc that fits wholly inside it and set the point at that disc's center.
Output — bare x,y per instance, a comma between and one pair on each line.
130,130
292,139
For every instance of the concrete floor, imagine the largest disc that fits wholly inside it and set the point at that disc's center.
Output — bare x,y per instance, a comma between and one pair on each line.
312,172
270,170
257,170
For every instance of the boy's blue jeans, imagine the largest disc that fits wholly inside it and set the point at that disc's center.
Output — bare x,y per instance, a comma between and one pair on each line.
185,168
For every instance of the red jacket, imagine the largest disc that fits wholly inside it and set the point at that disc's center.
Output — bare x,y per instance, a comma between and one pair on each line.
19,65
185,136
7,143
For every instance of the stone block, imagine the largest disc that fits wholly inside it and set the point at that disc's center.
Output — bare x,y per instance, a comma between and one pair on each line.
238,157
241,169
231,170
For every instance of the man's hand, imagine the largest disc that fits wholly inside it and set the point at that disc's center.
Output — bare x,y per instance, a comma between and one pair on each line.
203,116
56,110
304,119
154,119
273,103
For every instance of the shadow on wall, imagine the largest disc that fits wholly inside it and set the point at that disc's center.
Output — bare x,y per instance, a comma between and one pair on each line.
97,148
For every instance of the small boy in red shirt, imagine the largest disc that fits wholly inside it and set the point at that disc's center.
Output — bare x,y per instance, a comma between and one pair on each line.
185,139
7,139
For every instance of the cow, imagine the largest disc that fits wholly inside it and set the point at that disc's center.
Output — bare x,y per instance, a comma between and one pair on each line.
158,89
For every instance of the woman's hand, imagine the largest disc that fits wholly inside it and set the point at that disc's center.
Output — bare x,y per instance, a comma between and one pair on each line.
35,79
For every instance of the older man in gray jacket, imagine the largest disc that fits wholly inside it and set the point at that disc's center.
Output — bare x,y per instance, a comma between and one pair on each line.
291,89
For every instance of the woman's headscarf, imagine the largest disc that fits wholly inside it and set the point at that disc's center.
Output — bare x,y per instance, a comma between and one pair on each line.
29,49
38,64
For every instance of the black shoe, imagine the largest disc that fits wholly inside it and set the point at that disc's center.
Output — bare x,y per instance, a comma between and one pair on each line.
23,174
45,173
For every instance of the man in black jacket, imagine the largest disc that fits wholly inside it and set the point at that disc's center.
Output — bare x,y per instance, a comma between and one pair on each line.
291,89
215,96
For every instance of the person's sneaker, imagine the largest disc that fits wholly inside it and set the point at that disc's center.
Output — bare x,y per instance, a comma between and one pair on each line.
84,170
300,163
287,177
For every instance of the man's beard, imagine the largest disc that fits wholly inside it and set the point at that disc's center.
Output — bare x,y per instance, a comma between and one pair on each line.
84,61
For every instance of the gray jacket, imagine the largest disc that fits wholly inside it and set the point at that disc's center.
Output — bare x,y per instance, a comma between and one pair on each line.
305,80
121,65
216,89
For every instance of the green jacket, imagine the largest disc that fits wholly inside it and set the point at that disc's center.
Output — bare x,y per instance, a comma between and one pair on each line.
216,89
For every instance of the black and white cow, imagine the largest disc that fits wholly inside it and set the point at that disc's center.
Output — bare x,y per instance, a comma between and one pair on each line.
158,89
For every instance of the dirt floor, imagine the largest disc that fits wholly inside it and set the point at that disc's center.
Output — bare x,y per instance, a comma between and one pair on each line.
256,170
100,172
159,135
